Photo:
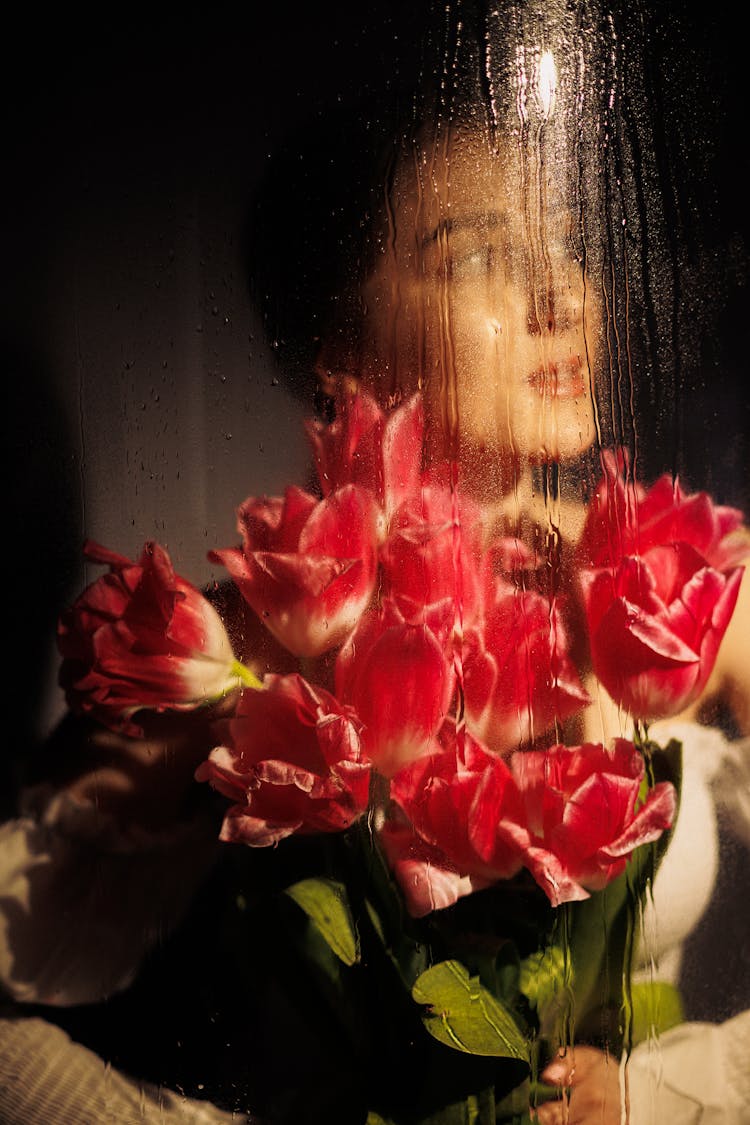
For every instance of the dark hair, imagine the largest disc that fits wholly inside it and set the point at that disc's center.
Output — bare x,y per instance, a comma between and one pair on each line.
307,231
310,222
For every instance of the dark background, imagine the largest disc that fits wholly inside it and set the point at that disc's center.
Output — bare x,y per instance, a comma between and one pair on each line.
141,395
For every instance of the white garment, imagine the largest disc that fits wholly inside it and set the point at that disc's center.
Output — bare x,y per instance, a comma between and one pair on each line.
82,900
697,1073
47,1078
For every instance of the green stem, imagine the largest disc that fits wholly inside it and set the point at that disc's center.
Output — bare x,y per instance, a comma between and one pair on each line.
545,1092
245,676
645,747
640,734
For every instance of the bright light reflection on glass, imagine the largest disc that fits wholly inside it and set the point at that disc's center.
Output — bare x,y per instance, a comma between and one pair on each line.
546,85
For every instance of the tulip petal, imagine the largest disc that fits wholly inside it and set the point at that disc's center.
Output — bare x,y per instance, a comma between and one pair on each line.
402,452
653,818
428,880
553,877
400,683
293,763
142,638
239,827
317,575
581,811
651,633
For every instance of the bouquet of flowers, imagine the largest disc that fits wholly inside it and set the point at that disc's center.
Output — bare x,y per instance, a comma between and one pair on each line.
472,908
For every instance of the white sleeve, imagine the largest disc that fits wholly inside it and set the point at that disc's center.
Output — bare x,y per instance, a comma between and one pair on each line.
45,1076
80,904
695,1074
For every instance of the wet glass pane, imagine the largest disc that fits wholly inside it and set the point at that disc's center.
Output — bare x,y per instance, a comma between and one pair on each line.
377,395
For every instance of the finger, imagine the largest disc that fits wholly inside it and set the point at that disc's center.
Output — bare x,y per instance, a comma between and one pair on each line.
552,1113
574,1065
560,1071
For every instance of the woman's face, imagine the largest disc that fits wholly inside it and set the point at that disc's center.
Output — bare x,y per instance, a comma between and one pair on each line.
479,297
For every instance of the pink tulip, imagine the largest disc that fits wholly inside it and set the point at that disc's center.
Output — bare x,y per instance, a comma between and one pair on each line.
140,637
626,519
582,811
448,798
431,555
306,567
659,585
367,447
292,762
427,878
655,625
399,680
518,677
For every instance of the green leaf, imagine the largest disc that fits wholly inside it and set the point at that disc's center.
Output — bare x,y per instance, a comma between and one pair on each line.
543,977
462,1014
656,1007
326,904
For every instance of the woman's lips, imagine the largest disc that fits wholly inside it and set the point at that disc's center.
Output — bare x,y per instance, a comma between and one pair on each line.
564,379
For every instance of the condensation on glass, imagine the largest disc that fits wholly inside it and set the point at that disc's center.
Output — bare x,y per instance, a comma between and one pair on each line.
504,219
525,253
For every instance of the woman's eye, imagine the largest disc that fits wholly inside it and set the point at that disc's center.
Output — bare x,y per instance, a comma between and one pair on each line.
471,264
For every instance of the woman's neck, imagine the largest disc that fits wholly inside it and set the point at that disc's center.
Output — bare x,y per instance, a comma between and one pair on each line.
535,502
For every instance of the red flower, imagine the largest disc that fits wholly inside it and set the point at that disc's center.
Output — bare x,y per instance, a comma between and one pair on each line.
655,626
518,677
307,567
659,591
427,878
449,797
292,763
583,817
399,681
364,446
142,637
431,554
626,519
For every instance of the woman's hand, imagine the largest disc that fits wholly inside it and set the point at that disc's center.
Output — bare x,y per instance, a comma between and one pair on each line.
148,781
592,1097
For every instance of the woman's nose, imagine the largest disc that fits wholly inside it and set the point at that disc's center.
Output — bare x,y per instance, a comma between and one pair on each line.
551,306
